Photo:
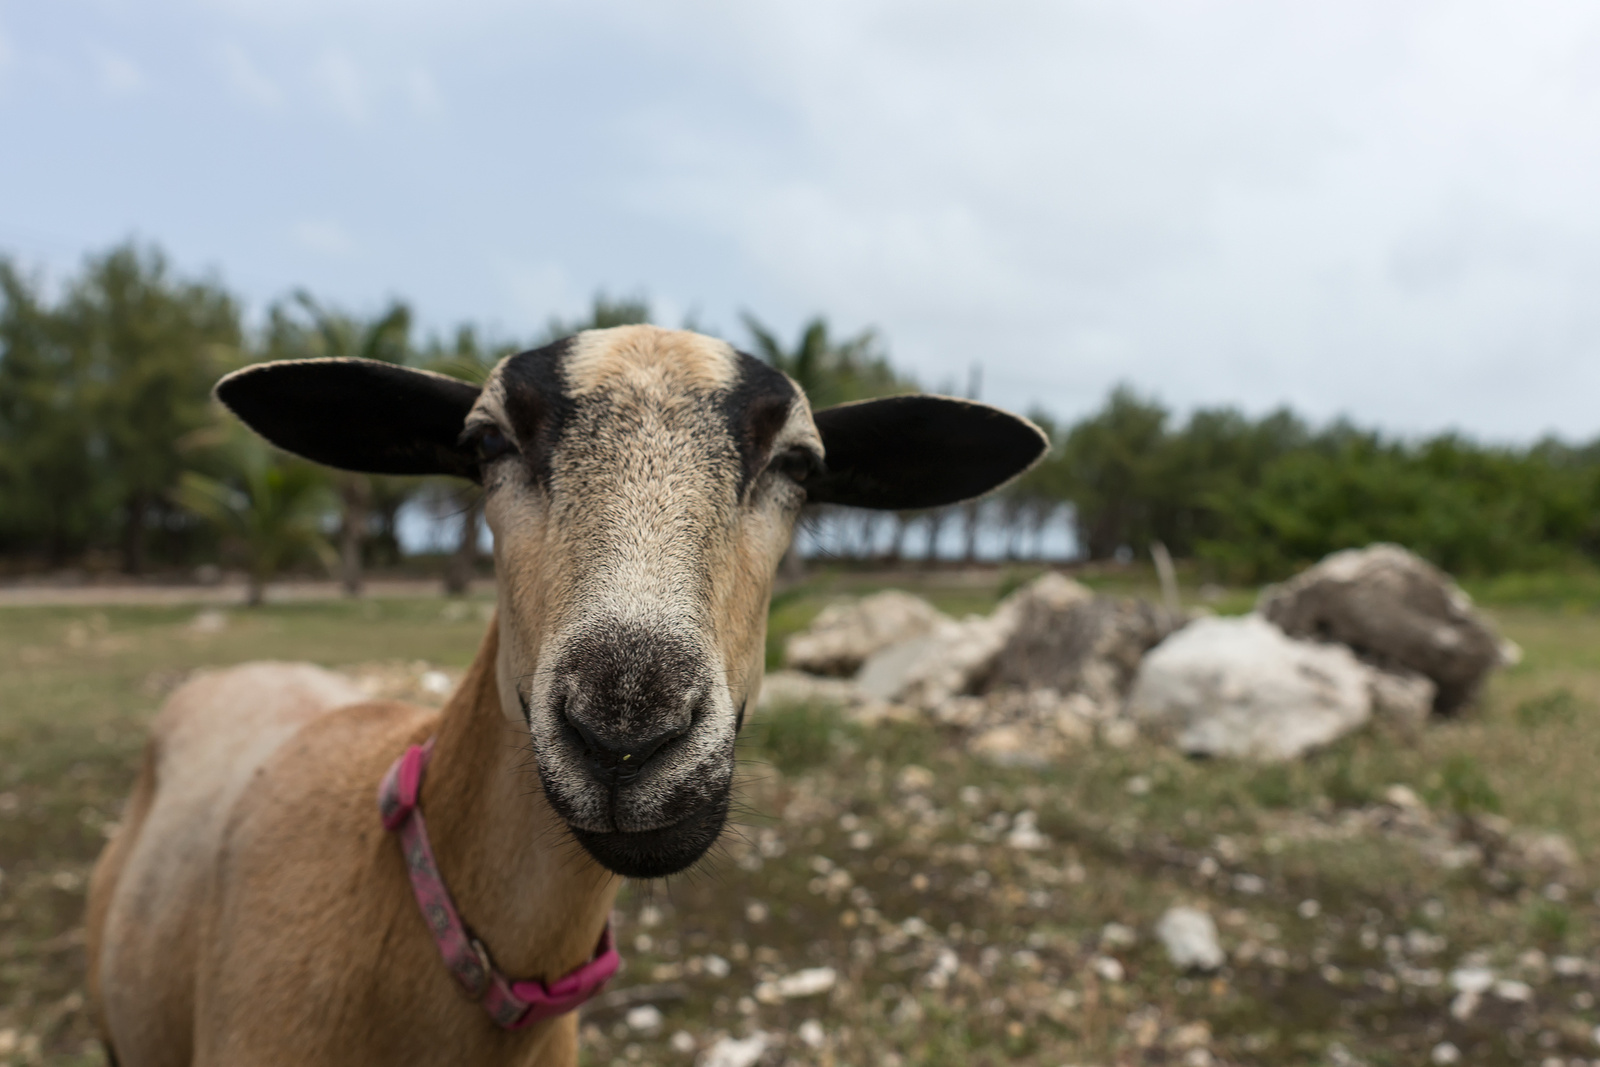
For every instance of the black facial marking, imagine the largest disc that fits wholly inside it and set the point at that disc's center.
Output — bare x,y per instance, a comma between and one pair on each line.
537,404
658,853
755,410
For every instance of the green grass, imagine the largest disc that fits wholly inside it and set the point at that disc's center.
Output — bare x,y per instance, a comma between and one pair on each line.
874,850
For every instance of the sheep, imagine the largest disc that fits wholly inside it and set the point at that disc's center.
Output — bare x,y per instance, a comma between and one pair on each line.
642,485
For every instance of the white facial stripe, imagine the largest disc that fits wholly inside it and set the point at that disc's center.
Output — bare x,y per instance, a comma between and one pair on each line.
636,355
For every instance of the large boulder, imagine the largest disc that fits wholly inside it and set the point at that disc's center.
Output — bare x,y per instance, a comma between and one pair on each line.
844,635
1242,687
1065,638
956,658
1396,611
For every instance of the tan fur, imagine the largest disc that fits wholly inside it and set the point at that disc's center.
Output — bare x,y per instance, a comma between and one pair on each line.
292,936
603,359
252,910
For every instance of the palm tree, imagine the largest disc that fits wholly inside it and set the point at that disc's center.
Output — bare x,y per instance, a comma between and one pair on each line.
830,371
269,508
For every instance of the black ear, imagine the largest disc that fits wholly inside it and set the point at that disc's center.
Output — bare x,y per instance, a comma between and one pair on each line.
357,414
906,452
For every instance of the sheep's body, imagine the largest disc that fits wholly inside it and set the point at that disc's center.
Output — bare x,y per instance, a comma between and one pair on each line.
252,910
642,485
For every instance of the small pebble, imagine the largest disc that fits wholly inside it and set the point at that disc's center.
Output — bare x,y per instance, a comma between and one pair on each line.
644,1019
1444,1053
811,1034
1109,968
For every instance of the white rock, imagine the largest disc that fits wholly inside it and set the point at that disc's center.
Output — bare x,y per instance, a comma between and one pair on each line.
928,670
1464,1005
1241,687
716,966
1116,935
804,983
435,682
844,635
1569,966
1109,968
1024,833
1190,938
1471,979
1009,746
787,688
1404,797
811,1034
1401,698
682,1042
1444,1054
735,1052
646,1018
1513,990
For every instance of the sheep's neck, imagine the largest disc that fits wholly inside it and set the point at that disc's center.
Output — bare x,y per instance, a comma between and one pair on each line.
537,900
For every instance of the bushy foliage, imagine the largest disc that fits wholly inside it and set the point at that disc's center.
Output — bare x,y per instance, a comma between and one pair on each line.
101,387
1256,499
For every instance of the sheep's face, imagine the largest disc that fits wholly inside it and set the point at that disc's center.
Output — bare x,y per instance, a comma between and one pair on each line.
642,485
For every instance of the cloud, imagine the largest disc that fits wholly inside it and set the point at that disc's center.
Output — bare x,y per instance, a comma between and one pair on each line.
325,237
118,75
342,86
247,79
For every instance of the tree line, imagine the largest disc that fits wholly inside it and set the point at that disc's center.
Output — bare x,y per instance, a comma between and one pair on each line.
112,453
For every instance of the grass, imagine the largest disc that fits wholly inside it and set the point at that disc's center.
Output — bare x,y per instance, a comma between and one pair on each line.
889,855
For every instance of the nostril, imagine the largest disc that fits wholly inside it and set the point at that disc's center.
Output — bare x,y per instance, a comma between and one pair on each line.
620,759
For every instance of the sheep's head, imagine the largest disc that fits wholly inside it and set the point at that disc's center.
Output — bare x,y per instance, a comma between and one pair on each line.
642,485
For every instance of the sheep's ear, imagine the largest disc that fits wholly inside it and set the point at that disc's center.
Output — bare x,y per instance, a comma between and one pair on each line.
357,414
906,452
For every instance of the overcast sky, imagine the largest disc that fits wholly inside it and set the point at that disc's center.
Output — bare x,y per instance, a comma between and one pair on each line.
1384,210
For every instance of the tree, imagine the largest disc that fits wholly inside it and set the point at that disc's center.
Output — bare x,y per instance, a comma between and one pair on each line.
306,329
269,507
831,372
56,495
1112,464
149,347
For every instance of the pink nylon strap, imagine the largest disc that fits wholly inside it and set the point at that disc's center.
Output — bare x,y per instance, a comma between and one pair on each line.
511,1004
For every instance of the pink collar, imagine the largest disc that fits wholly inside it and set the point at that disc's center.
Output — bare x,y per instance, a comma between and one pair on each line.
512,1005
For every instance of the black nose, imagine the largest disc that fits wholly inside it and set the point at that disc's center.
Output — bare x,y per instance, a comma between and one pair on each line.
620,759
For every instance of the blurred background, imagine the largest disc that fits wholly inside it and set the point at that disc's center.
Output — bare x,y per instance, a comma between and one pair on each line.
1279,280
1243,260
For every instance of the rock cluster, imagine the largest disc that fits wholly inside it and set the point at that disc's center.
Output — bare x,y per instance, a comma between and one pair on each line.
1374,634
1038,674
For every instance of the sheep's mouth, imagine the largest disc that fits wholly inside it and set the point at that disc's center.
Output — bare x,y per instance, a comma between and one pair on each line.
657,853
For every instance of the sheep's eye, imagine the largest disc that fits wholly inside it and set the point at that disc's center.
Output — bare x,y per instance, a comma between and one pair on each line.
492,444
796,463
